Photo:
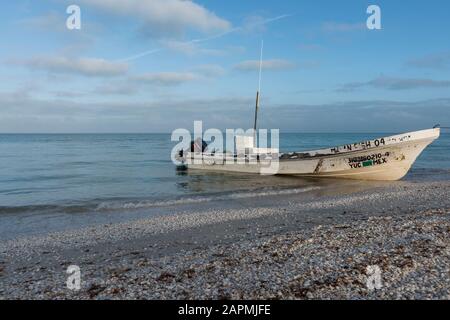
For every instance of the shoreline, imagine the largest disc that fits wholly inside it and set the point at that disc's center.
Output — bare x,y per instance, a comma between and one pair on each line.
40,219
261,252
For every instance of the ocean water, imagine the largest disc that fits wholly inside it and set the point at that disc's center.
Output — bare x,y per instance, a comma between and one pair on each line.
76,173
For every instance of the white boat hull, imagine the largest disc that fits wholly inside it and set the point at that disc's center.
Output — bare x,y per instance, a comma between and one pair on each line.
385,159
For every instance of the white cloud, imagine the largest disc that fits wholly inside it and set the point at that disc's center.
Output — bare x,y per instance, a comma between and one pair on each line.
206,39
190,48
51,21
117,88
210,70
254,24
91,67
393,83
165,17
166,78
436,61
20,113
274,64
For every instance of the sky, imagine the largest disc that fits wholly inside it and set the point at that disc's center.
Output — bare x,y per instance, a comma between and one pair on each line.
159,65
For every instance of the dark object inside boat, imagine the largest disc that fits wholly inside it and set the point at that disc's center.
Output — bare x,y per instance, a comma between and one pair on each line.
199,145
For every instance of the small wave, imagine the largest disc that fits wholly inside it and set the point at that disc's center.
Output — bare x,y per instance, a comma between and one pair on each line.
45,209
106,206
101,206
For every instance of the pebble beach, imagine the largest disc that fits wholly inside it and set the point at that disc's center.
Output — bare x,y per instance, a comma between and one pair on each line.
321,248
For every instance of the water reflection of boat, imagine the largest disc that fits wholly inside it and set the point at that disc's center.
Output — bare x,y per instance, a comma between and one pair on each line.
243,185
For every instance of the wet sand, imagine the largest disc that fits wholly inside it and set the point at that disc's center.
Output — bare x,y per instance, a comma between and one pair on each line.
284,247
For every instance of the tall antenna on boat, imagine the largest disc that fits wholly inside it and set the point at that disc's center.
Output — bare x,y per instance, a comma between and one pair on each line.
258,92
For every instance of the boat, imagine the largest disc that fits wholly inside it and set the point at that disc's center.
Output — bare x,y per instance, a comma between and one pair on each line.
383,159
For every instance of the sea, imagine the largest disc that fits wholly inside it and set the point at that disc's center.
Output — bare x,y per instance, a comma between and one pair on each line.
49,181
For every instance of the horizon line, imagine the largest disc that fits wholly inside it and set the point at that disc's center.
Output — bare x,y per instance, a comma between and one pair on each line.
168,133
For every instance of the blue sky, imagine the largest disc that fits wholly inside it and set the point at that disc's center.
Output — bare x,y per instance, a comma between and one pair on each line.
136,66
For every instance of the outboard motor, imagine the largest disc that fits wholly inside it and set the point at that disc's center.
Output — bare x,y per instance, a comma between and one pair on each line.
197,146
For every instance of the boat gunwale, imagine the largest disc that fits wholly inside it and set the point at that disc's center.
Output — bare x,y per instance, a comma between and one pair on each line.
339,154
431,137
304,154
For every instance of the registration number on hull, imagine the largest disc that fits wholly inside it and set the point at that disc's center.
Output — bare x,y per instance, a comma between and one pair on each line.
369,160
